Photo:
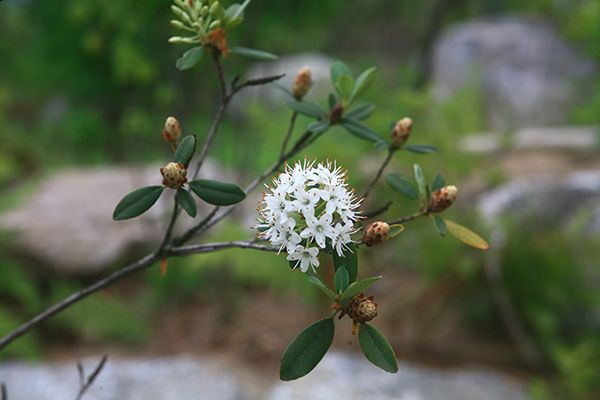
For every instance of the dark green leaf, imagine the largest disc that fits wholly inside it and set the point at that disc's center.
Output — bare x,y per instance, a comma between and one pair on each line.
438,182
307,108
376,348
349,261
338,69
402,185
306,350
235,12
186,201
253,54
332,100
420,179
382,145
466,235
190,58
363,82
137,202
318,126
440,225
185,150
341,279
319,283
217,193
282,88
344,86
362,112
360,130
357,288
420,148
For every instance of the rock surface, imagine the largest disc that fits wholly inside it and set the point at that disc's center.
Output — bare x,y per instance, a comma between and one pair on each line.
338,376
528,75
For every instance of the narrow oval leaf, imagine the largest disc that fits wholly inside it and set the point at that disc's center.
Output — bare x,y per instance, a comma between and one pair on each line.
185,150
319,283
306,350
440,225
344,86
318,126
253,54
137,202
236,11
361,112
466,235
357,288
332,100
190,58
337,70
420,148
360,130
186,201
363,82
307,108
348,261
376,348
402,185
438,182
341,279
420,179
217,193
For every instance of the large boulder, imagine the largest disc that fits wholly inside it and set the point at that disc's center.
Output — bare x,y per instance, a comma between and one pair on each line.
527,73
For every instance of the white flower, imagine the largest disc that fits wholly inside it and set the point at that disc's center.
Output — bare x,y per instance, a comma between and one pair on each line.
309,208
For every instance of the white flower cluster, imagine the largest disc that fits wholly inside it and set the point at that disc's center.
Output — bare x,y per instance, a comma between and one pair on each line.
308,208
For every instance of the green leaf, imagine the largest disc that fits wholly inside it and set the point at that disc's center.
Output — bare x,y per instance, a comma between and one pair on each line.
185,150
217,193
466,235
344,86
376,348
363,82
317,127
319,283
190,58
137,202
402,185
253,54
420,178
420,148
349,261
235,13
337,70
186,201
357,288
282,88
438,182
395,230
360,130
306,350
332,100
341,279
440,225
307,108
361,112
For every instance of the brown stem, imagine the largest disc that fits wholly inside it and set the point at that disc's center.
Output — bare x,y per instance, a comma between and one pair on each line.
86,384
408,218
378,175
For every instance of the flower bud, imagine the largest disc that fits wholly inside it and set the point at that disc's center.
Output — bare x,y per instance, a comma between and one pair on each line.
376,233
172,130
362,309
401,132
174,175
441,199
302,83
214,8
217,39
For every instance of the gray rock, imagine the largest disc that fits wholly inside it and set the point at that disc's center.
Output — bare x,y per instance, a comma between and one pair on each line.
528,75
347,377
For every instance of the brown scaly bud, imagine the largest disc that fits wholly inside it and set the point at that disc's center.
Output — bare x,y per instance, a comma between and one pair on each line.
376,233
302,83
401,132
441,199
362,309
174,175
217,39
172,130
336,114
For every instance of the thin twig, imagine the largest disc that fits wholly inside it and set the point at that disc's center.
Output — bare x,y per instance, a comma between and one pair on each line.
211,135
408,218
374,213
169,231
288,136
3,392
378,175
210,247
85,385
217,62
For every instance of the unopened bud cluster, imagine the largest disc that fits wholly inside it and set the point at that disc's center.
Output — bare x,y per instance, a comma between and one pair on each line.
401,132
302,83
442,199
203,20
174,175
376,233
362,309
172,130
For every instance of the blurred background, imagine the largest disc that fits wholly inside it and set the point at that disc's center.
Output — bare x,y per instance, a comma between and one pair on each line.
508,90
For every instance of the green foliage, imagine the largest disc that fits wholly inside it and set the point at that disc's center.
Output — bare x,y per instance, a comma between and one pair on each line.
217,193
376,348
185,150
186,201
349,261
137,202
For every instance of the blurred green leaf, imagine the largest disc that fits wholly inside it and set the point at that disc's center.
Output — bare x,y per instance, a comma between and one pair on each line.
186,201
395,230
317,127
438,182
217,193
402,185
319,283
306,350
185,150
361,112
344,86
360,130
420,179
338,69
466,235
253,54
137,202
349,261
341,279
307,108
356,288
190,58
363,82
440,225
420,148
376,348
235,13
